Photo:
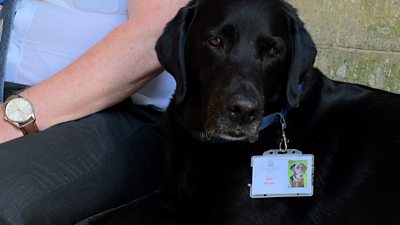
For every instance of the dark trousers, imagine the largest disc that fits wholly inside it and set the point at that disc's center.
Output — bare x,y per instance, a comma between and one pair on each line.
76,169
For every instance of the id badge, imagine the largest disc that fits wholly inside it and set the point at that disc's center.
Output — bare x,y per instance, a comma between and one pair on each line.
282,175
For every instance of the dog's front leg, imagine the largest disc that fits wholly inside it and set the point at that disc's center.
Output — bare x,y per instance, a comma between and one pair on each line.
154,209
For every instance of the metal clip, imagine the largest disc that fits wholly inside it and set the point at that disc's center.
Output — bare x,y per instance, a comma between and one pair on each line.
284,141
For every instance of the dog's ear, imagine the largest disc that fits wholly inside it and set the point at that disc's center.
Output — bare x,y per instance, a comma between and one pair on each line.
292,166
303,53
304,167
171,46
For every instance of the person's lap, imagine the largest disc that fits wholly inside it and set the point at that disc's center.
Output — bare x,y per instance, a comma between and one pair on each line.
76,169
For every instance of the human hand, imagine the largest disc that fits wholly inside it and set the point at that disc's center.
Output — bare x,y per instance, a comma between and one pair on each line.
7,131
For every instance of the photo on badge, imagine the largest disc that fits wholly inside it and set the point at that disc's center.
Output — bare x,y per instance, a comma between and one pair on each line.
297,173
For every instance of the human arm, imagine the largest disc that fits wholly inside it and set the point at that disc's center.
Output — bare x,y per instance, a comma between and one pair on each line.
113,69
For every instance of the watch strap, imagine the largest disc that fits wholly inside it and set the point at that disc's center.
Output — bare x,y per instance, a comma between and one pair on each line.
29,128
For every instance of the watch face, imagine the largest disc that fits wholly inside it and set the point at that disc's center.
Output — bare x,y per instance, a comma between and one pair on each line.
19,110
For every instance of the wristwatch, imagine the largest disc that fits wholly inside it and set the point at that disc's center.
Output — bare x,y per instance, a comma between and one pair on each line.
19,112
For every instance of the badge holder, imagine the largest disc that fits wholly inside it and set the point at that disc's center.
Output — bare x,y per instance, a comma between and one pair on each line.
282,172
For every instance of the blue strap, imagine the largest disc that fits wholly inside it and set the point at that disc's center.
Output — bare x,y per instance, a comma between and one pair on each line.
272,118
7,17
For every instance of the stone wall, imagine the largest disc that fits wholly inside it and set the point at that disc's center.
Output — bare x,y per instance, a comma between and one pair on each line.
358,40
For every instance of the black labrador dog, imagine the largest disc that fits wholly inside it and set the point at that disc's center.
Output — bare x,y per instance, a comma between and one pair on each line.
236,62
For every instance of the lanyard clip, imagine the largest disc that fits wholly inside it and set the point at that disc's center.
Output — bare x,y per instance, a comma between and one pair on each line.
284,141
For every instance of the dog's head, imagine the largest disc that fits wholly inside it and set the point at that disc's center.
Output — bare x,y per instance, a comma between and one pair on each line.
234,61
298,169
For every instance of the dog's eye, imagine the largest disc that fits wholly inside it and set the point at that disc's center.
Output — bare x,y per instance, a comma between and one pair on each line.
215,42
273,52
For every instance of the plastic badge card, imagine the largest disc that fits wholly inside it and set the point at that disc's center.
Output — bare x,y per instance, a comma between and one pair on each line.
282,175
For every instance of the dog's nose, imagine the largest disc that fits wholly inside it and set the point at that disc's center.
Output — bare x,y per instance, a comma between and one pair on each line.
242,110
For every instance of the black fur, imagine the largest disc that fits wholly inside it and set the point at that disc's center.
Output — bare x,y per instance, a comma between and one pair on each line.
225,89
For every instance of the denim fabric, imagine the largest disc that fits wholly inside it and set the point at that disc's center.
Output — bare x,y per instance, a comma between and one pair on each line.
6,16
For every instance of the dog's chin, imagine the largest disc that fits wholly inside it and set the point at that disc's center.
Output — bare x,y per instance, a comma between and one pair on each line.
243,138
226,130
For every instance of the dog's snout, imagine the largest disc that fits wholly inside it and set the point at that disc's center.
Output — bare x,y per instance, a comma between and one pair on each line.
243,110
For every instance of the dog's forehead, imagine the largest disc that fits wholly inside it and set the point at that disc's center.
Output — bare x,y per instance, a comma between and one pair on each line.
255,15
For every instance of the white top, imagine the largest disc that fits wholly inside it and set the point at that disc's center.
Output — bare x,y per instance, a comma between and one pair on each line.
49,34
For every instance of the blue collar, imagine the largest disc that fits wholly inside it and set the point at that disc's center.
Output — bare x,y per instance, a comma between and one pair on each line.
265,123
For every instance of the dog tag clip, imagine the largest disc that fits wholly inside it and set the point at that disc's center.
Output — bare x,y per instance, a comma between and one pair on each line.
284,140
